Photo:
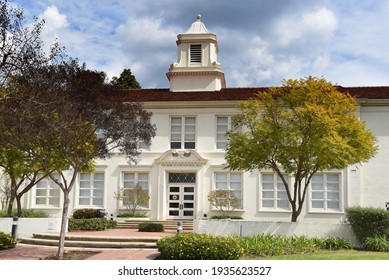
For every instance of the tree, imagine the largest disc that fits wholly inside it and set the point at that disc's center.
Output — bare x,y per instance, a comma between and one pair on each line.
126,80
298,129
223,200
20,44
5,191
133,197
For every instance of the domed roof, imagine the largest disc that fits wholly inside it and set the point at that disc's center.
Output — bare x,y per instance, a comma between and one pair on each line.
197,27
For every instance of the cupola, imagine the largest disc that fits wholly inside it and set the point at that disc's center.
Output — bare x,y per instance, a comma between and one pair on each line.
197,68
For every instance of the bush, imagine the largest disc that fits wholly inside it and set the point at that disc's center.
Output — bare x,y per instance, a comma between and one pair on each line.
368,222
93,224
150,227
226,217
270,245
26,213
6,241
376,243
87,214
128,215
196,246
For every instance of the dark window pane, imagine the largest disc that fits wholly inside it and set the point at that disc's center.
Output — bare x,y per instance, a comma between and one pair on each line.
189,145
175,145
182,177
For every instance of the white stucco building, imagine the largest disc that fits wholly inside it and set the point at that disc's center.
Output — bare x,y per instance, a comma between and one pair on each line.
186,159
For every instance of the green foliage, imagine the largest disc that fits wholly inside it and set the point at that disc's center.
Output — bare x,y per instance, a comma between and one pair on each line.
376,243
269,245
91,224
150,227
6,240
368,222
126,80
195,246
87,214
223,200
26,213
226,217
305,126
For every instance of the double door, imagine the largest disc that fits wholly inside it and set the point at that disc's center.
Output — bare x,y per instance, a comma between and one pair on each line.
181,201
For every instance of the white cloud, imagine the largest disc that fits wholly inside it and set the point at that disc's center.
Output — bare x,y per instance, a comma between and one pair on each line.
54,22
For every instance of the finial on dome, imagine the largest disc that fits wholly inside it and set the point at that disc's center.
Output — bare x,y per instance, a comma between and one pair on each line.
199,17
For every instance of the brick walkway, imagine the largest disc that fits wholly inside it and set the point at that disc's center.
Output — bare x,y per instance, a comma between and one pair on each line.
32,252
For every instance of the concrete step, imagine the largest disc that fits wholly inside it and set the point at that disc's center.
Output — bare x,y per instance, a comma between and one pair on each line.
49,239
167,224
90,244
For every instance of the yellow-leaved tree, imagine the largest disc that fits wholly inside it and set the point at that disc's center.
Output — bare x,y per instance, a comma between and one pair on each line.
298,129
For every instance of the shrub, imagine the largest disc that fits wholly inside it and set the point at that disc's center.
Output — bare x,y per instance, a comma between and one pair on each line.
87,214
269,245
150,227
6,241
26,213
376,243
128,215
336,243
93,224
226,217
196,246
368,222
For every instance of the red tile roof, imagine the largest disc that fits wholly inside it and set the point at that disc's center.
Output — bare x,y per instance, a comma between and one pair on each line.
147,95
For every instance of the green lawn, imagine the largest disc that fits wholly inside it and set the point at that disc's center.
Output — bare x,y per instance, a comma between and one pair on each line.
334,255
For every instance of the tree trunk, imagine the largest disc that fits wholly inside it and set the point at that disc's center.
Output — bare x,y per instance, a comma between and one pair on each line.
19,205
61,244
12,197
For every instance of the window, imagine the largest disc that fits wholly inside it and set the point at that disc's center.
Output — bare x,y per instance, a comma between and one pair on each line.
223,125
325,192
47,193
131,179
91,189
195,54
230,181
182,132
274,195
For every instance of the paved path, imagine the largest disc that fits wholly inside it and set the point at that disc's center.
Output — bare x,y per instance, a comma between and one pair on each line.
32,252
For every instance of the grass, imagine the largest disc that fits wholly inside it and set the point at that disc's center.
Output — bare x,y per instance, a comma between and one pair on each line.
332,255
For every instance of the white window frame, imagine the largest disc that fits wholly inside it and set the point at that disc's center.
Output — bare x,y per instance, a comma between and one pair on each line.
221,144
278,192
327,192
228,182
126,184
91,196
47,185
183,132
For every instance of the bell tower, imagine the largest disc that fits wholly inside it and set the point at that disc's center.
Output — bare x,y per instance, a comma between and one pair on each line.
196,68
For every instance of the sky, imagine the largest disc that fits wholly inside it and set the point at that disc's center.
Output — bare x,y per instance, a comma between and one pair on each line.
261,42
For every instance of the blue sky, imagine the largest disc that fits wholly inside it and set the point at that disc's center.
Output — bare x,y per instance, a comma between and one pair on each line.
261,42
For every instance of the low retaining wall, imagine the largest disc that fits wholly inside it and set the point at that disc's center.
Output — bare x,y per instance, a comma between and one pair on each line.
27,226
245,228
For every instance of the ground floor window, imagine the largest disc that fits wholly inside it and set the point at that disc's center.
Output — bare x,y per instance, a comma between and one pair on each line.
91,193
325,191
230,181
133,179
47,193
273,192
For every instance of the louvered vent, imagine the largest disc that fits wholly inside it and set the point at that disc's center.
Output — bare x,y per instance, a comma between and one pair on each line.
195,54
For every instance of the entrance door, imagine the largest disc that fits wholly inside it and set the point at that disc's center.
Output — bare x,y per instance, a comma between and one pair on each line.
181,195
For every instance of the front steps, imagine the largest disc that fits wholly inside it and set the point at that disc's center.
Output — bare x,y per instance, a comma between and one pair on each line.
48,239
90,241
168,225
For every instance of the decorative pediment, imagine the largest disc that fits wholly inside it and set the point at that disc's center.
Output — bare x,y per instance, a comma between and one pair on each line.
181,158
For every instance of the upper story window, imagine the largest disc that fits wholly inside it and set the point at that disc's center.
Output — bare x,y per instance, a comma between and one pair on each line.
223,125
183,132
325,192
195,54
